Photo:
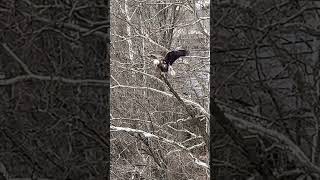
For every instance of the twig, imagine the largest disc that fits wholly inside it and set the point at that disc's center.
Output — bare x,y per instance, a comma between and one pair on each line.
93,82
12,54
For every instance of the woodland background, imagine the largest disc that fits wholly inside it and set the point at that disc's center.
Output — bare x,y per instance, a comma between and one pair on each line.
265,78
152,134
264,87
54,88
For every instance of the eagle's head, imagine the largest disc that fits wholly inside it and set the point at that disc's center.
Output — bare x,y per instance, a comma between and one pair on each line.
156,62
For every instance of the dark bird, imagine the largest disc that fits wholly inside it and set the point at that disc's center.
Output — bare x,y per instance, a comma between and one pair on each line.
165,65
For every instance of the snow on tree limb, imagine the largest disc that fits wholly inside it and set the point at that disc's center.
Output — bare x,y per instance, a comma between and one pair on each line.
199,107
149,135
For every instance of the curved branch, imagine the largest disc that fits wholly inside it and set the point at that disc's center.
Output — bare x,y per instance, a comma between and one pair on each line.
199,107
94,82
150,135
284,142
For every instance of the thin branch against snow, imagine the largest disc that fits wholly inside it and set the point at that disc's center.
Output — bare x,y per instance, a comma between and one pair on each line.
182,130
199,162
198,57
199,23
196,146
146,36
198,106
129,30
189,24
149,75
146,134
143,73
130,119
153,42
115,80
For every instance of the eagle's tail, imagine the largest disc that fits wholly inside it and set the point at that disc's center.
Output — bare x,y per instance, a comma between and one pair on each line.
171,71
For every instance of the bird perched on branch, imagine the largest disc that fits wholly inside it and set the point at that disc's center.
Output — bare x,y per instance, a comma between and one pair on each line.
165,65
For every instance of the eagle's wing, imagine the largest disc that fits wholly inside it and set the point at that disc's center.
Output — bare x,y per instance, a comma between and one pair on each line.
174,55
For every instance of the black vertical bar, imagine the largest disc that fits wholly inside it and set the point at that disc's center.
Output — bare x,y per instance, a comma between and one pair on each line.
55,89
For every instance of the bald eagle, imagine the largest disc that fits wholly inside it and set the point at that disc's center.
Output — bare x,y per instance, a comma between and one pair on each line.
165,65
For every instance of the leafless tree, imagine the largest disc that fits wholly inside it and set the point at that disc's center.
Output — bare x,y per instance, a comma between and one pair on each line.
265,86
159,124
54,89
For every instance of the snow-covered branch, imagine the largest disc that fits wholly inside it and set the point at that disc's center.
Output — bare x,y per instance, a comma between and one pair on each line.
198,106
150,135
